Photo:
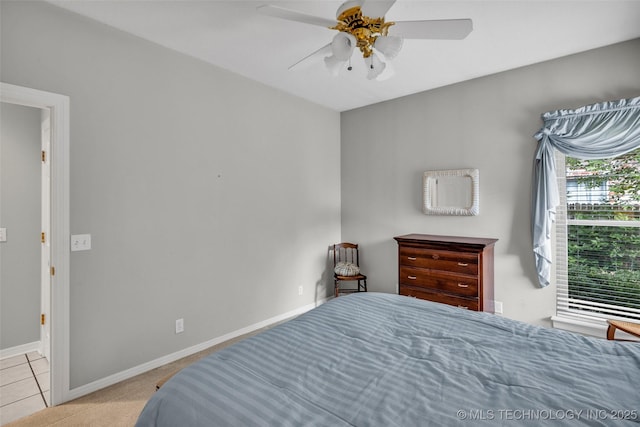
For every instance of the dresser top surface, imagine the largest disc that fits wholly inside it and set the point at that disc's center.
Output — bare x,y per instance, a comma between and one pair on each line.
431,238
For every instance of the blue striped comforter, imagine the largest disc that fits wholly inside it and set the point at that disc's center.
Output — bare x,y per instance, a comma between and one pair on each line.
387,360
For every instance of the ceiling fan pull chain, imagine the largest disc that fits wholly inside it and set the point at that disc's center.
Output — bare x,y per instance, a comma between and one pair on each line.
349,67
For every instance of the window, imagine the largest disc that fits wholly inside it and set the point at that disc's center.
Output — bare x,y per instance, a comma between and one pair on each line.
598,237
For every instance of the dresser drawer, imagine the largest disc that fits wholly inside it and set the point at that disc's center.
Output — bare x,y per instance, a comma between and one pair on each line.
439,280
436,259
466,303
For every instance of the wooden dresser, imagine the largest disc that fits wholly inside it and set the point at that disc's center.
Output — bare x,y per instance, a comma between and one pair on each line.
447,269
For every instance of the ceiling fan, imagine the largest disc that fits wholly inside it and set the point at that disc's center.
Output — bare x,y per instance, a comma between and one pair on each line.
361,24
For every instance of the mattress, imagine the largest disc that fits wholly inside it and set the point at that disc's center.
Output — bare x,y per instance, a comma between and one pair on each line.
372,359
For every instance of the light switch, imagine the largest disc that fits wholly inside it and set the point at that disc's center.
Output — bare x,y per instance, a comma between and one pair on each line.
80,242
3,234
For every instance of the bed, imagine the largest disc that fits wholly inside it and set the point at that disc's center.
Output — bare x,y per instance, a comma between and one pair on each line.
373,359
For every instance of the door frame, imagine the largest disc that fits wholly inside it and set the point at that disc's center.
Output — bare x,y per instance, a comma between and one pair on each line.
45,245
58,106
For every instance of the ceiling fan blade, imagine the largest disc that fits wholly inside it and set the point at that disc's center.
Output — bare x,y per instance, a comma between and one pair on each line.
293,15
376,8
324,50
444,29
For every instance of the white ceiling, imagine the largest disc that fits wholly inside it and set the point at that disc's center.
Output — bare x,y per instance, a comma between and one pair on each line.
233,36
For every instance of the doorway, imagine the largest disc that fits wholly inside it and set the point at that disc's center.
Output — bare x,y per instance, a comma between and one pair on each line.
55,253
24,242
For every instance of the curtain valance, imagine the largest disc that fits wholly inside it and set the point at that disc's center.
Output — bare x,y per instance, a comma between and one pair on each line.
598,131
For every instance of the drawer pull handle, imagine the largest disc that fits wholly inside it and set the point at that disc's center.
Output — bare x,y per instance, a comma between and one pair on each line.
435,256
463,264
411,277
411,258
463,306
463,285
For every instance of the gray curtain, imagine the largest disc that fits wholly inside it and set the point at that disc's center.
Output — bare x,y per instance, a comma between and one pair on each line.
598,131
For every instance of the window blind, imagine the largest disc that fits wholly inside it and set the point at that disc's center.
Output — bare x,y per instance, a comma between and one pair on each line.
598,239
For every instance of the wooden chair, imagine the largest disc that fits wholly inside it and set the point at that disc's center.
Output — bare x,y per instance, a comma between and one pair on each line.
628,327
346,257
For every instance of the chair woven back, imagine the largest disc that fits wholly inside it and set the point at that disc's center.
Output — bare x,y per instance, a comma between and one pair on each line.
345,252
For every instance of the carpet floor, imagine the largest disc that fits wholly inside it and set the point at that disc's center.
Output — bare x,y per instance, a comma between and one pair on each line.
116,405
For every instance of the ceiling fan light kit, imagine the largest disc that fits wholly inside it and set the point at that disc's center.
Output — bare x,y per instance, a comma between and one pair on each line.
390,46
375,66
370,34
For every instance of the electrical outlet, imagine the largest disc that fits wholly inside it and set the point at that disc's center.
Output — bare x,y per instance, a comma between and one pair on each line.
81,242
179,326
3,234
497,307
300,290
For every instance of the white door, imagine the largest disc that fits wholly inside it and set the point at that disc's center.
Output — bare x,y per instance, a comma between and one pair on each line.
45,268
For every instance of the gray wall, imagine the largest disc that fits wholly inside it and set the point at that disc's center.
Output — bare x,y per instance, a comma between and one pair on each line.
208,196
212,198
486,123
20,177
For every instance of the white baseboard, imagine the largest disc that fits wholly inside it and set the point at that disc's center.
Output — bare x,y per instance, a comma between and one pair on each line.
19,349
140,369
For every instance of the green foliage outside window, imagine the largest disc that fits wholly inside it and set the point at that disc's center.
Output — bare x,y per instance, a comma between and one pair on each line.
622,174
604,261
604,264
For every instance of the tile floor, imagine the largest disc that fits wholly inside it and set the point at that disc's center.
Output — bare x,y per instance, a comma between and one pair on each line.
24,386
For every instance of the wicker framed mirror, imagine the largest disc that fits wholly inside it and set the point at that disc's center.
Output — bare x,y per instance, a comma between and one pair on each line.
451,192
